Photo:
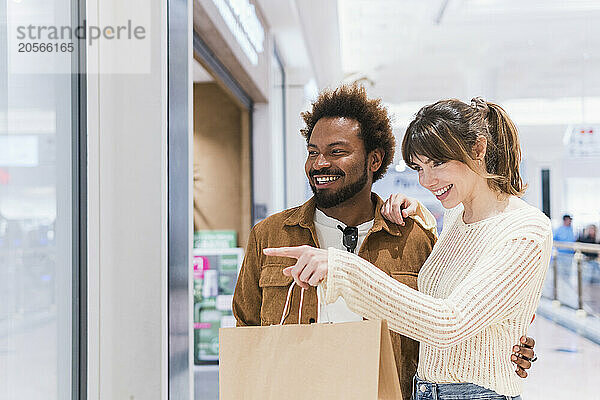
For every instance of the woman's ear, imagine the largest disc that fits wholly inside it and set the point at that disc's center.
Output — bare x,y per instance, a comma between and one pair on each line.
480,148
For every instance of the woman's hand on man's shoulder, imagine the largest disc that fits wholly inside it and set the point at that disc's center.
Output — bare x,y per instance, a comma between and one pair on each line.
398,207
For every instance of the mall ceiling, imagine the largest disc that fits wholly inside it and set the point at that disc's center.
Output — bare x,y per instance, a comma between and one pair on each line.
416,50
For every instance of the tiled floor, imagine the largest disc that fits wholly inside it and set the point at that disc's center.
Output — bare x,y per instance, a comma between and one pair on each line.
568,365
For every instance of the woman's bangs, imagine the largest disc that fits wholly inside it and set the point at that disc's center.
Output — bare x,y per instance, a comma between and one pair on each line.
425,143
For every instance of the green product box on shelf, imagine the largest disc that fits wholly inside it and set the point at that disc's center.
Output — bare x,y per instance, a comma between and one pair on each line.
215,276
208,334
215,239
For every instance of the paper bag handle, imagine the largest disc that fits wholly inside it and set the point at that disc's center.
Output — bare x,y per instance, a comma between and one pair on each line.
287,303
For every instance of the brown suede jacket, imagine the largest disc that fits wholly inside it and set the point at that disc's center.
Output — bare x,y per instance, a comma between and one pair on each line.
261,288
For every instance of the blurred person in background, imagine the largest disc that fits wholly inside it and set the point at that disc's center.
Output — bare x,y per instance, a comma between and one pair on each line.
350,145
589,236
564,233
480,286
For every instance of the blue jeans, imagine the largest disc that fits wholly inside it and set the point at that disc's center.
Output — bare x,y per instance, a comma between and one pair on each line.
425,390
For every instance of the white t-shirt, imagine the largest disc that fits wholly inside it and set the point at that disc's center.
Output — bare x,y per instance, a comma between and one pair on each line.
330,235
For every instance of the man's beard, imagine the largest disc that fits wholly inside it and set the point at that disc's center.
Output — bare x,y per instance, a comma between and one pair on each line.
332,199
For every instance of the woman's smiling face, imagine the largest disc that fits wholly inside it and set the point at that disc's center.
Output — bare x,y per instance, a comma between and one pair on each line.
452,182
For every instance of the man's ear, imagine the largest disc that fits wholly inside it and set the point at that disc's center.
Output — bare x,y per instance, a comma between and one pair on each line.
375,160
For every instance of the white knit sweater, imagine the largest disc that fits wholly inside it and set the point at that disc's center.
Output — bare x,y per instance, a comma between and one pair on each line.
477,293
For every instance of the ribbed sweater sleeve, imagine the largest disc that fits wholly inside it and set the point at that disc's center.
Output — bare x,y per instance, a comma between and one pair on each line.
486,296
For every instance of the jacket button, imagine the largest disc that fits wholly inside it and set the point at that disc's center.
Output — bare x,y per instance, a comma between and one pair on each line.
312,320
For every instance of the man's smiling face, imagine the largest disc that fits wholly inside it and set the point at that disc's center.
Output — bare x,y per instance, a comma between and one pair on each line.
336,165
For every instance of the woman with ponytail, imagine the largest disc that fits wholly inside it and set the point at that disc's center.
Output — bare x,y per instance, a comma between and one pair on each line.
481,284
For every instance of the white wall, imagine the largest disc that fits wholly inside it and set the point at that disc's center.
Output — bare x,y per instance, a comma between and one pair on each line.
300,90
306,33
261,157
296,102
127,214
543,149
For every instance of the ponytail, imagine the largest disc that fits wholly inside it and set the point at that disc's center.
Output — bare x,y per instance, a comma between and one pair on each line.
504,157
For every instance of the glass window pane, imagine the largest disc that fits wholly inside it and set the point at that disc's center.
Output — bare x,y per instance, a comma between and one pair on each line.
35,210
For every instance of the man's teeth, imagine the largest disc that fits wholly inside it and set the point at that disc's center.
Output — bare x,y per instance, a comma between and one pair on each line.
442,190
326,179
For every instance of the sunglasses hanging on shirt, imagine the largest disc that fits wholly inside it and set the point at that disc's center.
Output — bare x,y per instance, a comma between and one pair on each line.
350,238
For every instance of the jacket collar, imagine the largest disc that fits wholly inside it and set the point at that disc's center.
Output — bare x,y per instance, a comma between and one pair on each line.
381,223
305,214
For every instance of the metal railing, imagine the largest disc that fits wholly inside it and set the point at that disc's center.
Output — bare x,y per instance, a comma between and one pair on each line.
574,278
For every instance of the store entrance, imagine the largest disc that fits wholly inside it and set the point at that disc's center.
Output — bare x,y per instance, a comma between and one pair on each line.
222,173
222,190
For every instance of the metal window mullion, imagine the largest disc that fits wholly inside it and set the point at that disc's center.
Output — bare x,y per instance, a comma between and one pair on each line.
79,208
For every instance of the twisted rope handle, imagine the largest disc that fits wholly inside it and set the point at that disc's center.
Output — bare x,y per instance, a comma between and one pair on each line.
320,296
287,304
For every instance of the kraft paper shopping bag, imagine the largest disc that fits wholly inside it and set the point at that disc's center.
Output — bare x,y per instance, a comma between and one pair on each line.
352,360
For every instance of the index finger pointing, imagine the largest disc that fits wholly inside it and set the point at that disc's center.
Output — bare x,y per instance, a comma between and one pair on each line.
292,252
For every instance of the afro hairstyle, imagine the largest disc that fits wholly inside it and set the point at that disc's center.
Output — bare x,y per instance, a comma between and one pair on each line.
350,101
